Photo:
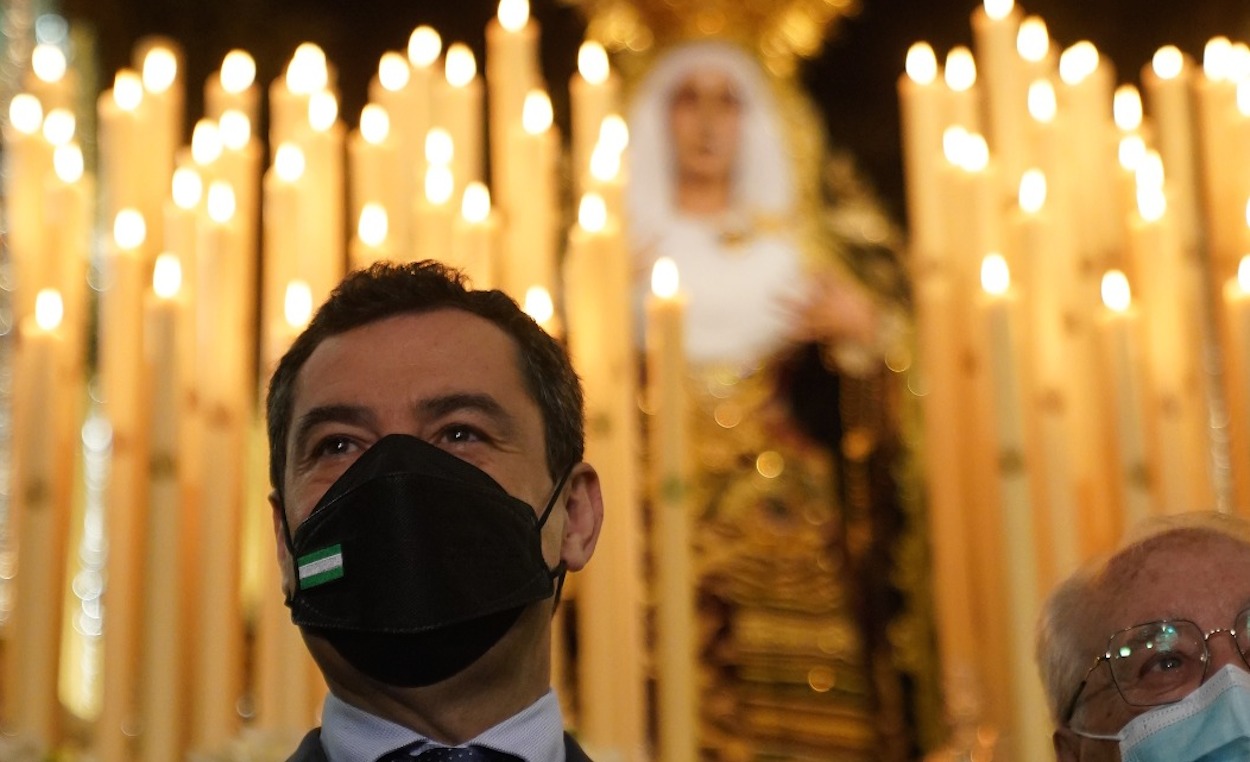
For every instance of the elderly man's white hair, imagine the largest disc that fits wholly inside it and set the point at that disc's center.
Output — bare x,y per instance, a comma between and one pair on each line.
762,180
1070,635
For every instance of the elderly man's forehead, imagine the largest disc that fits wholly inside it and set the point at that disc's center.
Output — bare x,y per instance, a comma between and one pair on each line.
1181,547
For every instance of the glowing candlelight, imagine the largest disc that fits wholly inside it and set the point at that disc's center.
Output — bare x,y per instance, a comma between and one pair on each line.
1032,191
59,126
513,14
424,47
48,62
461,66
297,306
439,184
1127,108
998,10
167,276
614,133
371,229
995,275
160,69
1116,294
375,124
536,116
323,110
921,63
127,91
49,309
289,163
206,144
961,69
238,72
592,62
475,205
1078,62
592,213
1043,105
1168,62
221,202
439,147
605,163
1217,59
307,72
67,162
539,306
235,130
129,229
1132,151
25,113
1033,40
664,278
393,71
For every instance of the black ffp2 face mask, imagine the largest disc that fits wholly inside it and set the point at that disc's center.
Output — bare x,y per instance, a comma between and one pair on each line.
415,563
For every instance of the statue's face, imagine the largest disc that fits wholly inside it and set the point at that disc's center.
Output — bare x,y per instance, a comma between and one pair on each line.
704,121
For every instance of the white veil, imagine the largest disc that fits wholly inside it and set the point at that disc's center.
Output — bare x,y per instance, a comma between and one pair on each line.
762,183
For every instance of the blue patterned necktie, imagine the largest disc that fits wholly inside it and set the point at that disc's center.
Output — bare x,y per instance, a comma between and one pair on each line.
443,754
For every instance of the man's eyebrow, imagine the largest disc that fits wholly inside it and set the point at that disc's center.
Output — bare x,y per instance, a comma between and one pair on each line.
445,404
350,414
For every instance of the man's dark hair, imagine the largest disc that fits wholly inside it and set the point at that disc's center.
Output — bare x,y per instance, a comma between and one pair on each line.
385,289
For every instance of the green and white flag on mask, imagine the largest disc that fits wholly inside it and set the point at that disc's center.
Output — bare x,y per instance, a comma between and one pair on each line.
320,567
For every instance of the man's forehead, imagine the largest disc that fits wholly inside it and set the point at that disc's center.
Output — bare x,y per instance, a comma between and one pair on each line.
1174,574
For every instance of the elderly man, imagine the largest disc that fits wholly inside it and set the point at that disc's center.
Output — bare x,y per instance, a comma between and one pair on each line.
428,496
1144,655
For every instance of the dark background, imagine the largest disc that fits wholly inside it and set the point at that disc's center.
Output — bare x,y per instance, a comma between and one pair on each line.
853,80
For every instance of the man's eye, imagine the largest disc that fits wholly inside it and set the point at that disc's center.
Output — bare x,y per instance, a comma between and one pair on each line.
460,434
331,446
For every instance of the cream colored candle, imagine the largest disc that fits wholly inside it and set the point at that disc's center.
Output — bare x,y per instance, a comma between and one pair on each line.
1123,364
434,215
669,486
1085,95
289,95
512,70
376,172
424,48
41,447
1027,738
322,232
1215,95
476,236
1167,81
160,62
963,101
282,221
50,79
233,88
995,27
30,162
593,94
121,143
921,99
530,250
69,212
162,655
611,638
405,101
121,329
458,108
1236,350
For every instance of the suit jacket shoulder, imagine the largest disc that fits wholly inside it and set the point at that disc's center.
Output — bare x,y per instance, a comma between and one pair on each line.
573,752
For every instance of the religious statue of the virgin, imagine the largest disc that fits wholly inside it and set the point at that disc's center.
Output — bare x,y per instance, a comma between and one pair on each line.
814,641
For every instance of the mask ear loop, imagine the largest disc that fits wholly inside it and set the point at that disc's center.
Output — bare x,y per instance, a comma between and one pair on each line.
290,551
562,568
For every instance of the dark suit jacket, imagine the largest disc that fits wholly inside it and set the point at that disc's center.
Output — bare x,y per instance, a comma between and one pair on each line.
310,749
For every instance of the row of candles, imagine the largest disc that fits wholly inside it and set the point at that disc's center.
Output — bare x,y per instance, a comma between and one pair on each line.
1055,418
189,565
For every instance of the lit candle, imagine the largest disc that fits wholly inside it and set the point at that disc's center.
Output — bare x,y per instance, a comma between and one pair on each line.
424,49
1237,380
530,250
233,88
1218,114
476,236
50,79
433,218
669,487
159,61
41,451
1085,96
1016,507
69,212
610,636
921,100
511,71
372,240
30,157
283,218
1124,395
963,100
289,95
1168,80
322,240
121,362
121,146
161,655
538,305
593,94
458,102
376,171
995,27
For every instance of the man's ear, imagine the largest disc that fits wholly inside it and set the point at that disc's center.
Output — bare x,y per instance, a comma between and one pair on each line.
279,535
1067,745
584,517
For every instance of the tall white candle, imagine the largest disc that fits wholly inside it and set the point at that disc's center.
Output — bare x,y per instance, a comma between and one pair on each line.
1123,363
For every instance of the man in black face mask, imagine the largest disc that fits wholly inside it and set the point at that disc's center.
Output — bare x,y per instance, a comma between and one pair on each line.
429,494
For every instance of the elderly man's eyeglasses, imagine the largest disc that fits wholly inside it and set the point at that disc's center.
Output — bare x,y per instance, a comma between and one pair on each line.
1161,662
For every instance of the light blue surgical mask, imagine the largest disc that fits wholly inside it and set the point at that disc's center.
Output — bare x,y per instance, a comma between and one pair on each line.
1212,724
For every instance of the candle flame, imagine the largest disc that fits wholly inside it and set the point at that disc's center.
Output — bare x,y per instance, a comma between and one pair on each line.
536,114
1217,59
238,72
1168,62
1243,274
592,62
1033,191
921,63
953,140
605,163
1152,204
235,129
439,146
475,204
424,47
221,202
129,229
460,67
1150,171
206,145
375,124
59,126
664,278
1240,62
307,72
998,10
297,307
439,184
25,113
67,161
49,309
187,188
288,162
1078,63
1127,108
976,154
1116,294
127,90
995,275
538,305
48,62
160,69
614,133
592,213
373,225
1033,40
961,69
1132,152
1043,105
167,275
1243,97
323,110
513,14
393,72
